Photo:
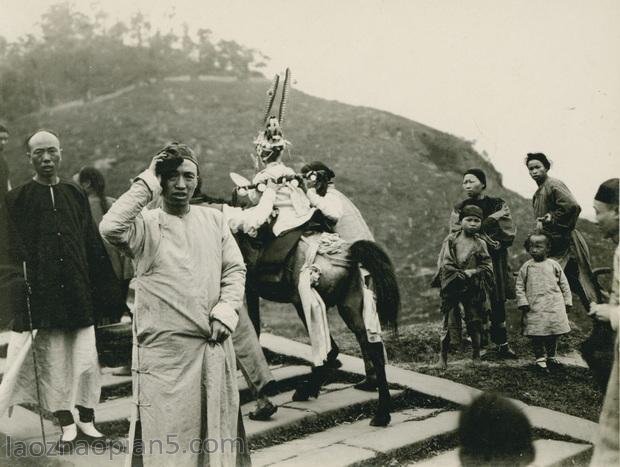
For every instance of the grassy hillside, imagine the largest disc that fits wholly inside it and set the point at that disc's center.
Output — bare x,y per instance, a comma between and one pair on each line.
404,176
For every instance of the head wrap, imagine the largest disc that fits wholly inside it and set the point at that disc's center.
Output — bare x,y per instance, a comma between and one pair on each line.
608,192
479,174
470,211
538,156
175,154
318,166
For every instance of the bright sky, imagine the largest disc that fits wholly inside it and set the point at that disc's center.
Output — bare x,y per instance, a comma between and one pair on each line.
515,76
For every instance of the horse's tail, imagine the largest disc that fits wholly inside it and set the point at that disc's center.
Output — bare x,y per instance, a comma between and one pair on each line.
373,258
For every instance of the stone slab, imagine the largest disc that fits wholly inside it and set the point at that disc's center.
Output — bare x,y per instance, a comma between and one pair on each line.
280,373
338,399
323,439
114,409
25,425
279,400
404,434
563,424
5,337
336,455
548,453
98,459
282,418
446,459
109,380
291,413
430,385
461,394
573,358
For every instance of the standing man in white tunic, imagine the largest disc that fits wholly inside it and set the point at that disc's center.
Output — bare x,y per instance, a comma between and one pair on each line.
190,279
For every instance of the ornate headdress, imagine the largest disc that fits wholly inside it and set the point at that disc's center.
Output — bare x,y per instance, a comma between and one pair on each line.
270,142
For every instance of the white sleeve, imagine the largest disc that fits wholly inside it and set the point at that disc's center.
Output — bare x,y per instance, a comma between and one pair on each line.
330,205
123,225
249,220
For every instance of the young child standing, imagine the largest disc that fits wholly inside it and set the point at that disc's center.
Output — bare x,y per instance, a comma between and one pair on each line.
465,276
543,296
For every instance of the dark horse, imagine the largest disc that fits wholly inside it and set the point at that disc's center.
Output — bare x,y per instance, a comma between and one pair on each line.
340,284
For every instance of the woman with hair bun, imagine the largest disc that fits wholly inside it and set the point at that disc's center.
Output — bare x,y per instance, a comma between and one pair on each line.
498,231
556,212
93,183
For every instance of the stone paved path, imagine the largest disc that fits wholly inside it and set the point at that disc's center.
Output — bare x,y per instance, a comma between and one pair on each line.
334,429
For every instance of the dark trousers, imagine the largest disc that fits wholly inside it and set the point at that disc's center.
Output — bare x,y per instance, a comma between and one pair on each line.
452,314
544,344
65,417
499,335
572,275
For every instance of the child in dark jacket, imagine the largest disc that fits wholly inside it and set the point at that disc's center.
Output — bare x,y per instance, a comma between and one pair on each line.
465,276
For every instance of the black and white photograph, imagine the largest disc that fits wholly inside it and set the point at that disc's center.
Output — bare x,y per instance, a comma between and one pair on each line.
309,233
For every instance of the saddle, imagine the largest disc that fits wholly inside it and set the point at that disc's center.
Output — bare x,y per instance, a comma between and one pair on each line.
266,255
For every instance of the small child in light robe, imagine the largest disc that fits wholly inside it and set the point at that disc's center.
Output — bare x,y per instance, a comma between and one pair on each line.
465,276
543,296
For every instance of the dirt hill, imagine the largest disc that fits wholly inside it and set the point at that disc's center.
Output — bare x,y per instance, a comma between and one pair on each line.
404,176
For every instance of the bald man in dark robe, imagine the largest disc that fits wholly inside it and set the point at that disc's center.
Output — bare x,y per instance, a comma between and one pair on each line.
53,241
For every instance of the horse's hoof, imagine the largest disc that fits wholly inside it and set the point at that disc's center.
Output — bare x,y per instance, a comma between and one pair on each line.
366,385
333,364
381,419
301,395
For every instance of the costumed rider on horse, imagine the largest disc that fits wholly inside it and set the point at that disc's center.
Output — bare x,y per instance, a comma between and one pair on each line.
307,207
293,217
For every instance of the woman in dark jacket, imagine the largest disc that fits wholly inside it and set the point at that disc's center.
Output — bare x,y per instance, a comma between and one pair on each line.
556,212
498,231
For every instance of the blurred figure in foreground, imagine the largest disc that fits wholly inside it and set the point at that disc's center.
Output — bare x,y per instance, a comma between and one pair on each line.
493,431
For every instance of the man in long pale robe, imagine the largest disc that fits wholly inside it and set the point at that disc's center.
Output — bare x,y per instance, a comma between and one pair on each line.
49,231
250,357
607,441
190,280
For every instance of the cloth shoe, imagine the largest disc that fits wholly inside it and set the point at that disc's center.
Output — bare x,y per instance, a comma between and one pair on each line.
88,428
541,366
504,351
69,433
66,443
